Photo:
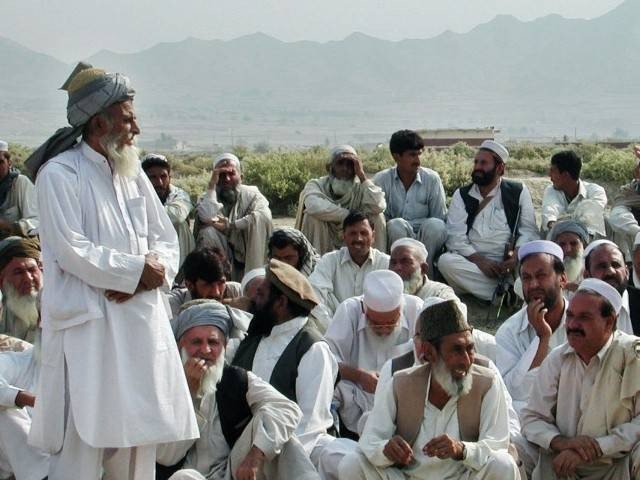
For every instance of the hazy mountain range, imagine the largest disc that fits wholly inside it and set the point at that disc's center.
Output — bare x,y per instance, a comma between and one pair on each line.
544,77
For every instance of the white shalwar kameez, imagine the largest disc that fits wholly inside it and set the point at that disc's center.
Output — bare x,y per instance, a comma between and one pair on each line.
111,373
19,371
357,346
485,459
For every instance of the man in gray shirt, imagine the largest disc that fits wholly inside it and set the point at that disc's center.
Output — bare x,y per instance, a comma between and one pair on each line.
415,196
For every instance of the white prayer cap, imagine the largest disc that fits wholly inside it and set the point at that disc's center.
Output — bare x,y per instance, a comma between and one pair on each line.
417,245
230,157
382,290
540,246
250,275
4,146
603,289
496,148
598,243
340,149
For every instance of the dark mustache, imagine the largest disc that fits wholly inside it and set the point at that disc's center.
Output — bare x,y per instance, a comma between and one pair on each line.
576,331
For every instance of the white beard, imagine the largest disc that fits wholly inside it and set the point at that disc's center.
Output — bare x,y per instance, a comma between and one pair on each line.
212,375
24,307
414,283
452,386
341,187
573,267
125,159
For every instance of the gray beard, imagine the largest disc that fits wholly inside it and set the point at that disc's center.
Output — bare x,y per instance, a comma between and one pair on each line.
125,159
23,307
414,283
212,375
452,386
573,268
228,196
341,187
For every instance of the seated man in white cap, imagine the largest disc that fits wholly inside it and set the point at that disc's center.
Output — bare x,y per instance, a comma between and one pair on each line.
525,339
584,406
446,419
569,197
234,217
367,331
416,202
18,206
340,274
604,260
246,425
19,372
20,284
484,217
326,201
176,201
625,213
283,348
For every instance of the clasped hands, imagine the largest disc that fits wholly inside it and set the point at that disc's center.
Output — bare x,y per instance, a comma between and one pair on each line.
573,452
400,452
152,277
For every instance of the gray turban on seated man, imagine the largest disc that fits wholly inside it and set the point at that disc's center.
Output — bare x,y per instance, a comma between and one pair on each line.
310,256
91,91
198,313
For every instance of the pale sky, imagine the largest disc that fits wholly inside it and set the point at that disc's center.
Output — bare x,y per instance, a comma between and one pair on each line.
74,29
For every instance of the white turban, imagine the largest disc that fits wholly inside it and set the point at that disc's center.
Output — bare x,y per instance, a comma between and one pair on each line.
417,245
496,148
598,243
229,157
340,149
250,275
382,290
4,146
540,246
603,289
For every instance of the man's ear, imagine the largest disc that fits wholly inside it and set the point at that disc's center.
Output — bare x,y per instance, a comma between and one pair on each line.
424,268
430,353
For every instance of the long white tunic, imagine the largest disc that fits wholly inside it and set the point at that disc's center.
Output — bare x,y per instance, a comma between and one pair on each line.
517,344
317,372
494,434
18,371
121,361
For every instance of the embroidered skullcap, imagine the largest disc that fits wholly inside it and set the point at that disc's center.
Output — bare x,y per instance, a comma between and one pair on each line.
227,157
249,276
496,148
540,246
340,149
603,289
293,284
154,160
570,226
440,319
598,243
417,245
4,146
202,312
383,290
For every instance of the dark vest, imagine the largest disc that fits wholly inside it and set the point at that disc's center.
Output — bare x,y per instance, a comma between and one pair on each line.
231,398
285,372
634,308
509,191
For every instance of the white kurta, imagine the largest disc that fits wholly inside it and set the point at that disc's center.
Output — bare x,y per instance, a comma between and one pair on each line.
355,345
517,344
493,438
275,418
562,391
178,207
120,360
20,207
19,371
337,277
556,207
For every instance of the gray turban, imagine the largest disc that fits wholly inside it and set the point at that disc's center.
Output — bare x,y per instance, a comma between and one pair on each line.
200,313
91,91
570,226
309,256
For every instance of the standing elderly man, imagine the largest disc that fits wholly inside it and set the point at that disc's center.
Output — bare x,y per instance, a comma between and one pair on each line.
483,218
584,408
416,202
176,201
367,331
282,348
340,274
108,350
234,217
18,208
247,426
326,201
603,260
289,245
445,419
569,197
525,339
20,283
